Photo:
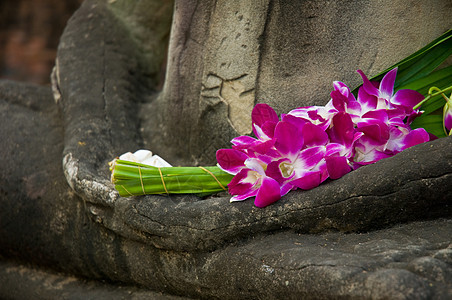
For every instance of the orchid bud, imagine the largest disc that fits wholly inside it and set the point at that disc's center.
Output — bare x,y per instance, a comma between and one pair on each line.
447,116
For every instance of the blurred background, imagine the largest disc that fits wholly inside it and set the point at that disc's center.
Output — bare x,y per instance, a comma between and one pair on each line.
29,34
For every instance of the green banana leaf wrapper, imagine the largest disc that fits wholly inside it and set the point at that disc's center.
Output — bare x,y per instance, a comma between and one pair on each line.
134,179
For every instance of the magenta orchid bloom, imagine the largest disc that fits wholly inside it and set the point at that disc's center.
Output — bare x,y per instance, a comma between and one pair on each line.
318,115
301,152
383,97
447,116
343,137
344,101
384,137
264,120
250,179
311,144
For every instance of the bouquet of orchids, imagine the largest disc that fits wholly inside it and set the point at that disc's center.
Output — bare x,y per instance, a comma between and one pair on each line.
308,145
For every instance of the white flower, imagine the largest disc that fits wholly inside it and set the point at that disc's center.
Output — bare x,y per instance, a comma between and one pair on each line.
145,157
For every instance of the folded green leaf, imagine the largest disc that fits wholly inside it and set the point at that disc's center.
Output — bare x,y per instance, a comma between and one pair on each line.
133,179
432,123
440,79
421,63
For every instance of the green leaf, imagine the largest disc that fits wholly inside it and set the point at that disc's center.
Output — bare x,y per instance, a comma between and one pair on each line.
421,63
133,179
440,79
432,123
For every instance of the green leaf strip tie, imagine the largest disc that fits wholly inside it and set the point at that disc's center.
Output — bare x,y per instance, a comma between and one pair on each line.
127,190
163,181
141,179
219,183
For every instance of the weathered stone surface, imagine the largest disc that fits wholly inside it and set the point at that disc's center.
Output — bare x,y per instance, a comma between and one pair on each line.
382,231
22,282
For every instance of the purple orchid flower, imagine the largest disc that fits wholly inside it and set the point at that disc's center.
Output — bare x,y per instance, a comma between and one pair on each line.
447,116
231,161
318,115
301,152
250,179
264,120
383,97
311,144
344,101
384,136
340,150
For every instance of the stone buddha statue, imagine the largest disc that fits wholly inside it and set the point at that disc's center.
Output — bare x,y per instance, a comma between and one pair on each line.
181,79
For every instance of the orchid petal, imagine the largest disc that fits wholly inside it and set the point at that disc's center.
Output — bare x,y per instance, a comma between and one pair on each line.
378,114
243,142
287,187
367,153
387,84
256,165
415,137
345,91
263,113
318,115
259,133
268,128
289,139
368,102
374,129
337,166
297,121
244,196
368,86
269,192
241,189
339,100
263,147
321,167
407,98
343,130
243,182
412,116
334,148
274,171
400,112
313,135
447,116
342,87
231,160
308,181
365,145
309,158
370,158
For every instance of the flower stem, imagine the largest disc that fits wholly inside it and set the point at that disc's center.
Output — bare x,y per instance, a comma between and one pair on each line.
431,94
